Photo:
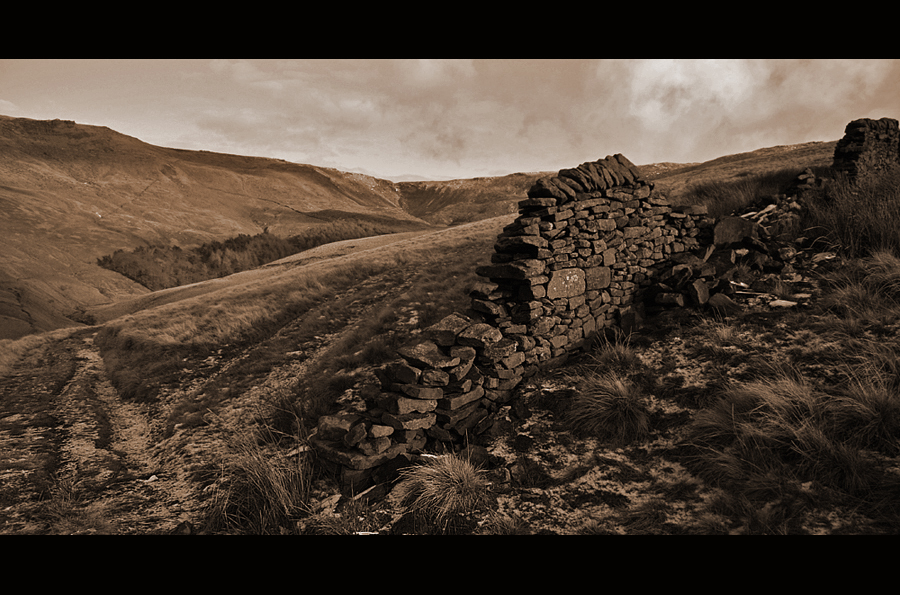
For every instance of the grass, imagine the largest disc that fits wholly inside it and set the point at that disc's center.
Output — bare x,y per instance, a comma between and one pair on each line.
68,512
610,407
725,197
441,491
859,219
261,491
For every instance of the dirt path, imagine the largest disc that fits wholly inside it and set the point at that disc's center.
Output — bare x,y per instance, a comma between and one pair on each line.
74,457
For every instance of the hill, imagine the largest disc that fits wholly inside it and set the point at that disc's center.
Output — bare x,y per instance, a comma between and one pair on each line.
462,201
71,193
675,180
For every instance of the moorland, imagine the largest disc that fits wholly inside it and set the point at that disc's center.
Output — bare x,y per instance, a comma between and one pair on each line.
176,322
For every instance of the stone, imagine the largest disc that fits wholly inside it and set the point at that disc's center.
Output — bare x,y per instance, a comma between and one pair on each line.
522,269
379,431
398,372
451,403
545,188
354,459
427,354
566,283
403,405
597,278
375,446
435,378
335,427
479,336
732,230
409,421
444,333
356,433
529,245
502,348
722,304
416,391
698,292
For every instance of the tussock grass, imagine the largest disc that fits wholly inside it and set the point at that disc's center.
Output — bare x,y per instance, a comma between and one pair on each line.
441,490
613,352
763,438
261,490
609,406
859,218
68,512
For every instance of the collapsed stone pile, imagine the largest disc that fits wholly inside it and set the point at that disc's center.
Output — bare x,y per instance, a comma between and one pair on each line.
868,147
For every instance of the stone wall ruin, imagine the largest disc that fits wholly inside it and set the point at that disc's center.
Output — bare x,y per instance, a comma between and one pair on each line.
589,249
868,147
585,244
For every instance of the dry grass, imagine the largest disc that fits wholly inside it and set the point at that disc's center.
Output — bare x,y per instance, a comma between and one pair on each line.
261,491
610,407
859,218
68,511
441,490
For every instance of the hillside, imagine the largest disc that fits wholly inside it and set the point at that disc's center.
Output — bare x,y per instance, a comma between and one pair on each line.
462,201
71,193
674,179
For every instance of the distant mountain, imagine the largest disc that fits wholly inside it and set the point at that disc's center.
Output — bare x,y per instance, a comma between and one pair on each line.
461,201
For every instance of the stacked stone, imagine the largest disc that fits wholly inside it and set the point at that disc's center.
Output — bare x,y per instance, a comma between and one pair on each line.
585,242
442,387
868,146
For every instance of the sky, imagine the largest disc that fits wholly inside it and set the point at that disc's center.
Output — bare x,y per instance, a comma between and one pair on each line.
459,118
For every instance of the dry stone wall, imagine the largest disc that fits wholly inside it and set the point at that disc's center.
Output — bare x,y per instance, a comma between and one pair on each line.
586,243
591,248
868,147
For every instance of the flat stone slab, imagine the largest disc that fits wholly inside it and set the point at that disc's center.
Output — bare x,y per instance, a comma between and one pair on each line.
479,335
427,354
444,332
353,458
566,283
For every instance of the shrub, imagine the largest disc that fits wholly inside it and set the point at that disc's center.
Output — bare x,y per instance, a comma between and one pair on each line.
441,490
610,407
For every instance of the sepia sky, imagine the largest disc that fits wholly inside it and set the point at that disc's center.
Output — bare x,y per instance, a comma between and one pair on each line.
441,119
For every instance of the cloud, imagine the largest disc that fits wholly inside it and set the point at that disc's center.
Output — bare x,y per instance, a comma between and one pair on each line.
8,108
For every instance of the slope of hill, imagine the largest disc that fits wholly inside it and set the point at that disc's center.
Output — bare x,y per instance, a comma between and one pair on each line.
71,193
675,179
461,201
